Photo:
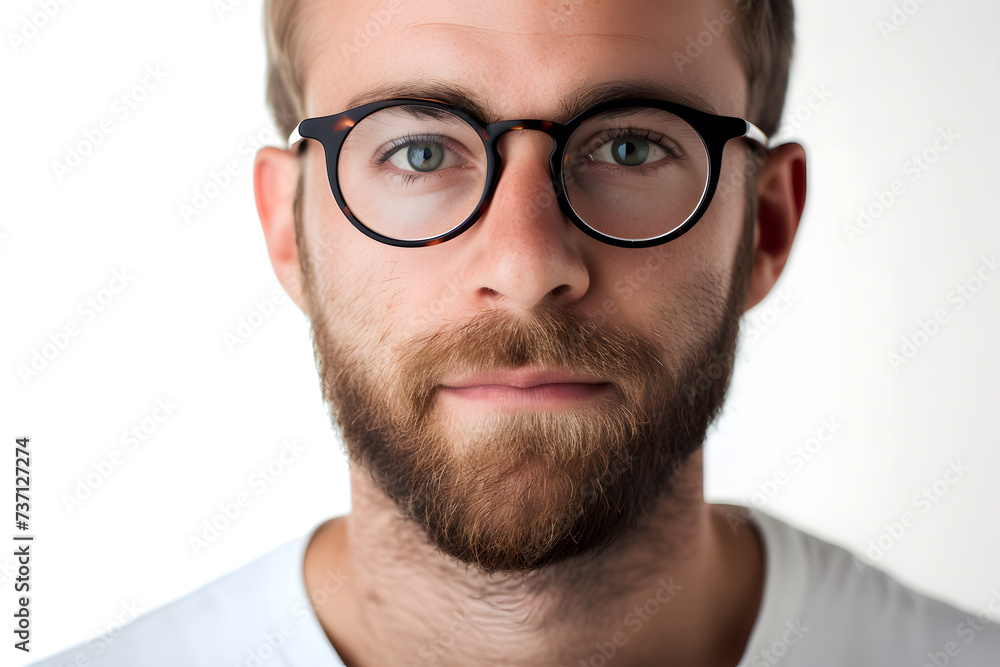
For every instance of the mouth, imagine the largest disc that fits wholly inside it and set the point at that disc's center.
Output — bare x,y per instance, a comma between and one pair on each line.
524,388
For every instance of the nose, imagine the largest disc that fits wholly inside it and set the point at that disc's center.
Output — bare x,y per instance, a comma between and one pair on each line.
527,253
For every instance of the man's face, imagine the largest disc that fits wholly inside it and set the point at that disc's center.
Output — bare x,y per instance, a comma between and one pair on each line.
523,392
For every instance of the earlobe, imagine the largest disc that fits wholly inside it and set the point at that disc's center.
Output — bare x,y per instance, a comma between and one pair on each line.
781,194
275,179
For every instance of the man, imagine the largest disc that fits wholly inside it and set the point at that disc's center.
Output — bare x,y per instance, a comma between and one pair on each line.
524,330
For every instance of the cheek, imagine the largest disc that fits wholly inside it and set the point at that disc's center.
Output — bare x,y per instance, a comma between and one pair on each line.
429,304
349,294
334,247
349,276
710,247
366,302
369,293
642,276
673,294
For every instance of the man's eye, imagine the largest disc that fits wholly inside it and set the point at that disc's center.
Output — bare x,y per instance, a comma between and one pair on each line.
421,156
628,152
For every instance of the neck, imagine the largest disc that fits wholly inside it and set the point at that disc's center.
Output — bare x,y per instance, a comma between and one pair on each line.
684,585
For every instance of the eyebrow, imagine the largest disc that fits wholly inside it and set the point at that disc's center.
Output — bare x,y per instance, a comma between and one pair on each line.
581,98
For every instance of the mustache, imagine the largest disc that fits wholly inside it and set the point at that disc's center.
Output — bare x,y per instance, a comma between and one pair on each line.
549,337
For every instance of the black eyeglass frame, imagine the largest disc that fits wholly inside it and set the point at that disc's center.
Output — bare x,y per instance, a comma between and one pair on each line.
715,132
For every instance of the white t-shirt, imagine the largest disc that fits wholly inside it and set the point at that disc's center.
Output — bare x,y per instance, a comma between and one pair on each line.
821,608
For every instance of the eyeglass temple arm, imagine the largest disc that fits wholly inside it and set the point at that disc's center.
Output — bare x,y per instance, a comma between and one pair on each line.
753,133
295,137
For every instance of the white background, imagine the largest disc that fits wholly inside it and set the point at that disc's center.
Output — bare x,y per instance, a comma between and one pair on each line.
162,337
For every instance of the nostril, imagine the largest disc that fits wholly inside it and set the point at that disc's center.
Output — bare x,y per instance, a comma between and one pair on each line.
555,295
559,292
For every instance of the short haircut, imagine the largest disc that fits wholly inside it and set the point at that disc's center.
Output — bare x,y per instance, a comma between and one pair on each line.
764,38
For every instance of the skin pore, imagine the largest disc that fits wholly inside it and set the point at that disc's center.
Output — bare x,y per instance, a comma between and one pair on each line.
404,601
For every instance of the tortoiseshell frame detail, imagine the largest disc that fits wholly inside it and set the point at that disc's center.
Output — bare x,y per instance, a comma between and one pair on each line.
715,132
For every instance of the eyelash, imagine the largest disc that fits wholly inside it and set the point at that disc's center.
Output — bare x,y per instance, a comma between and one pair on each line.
385,153
408,179
605,136
633,133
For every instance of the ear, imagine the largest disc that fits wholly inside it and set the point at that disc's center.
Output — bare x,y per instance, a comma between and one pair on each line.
781,193
275,178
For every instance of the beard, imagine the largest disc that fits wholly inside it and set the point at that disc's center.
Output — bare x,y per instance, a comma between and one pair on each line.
518,491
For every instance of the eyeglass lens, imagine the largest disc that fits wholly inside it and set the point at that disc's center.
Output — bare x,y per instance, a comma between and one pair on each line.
412,172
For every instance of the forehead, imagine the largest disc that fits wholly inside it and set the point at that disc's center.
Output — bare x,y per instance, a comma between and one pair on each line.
521,58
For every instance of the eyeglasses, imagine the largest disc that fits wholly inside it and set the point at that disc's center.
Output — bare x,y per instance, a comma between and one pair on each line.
631,173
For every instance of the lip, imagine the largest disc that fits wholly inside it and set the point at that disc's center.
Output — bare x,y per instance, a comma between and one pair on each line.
521,378
524,389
